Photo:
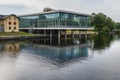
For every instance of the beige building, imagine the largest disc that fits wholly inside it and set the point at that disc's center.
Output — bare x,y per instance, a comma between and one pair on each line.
9,23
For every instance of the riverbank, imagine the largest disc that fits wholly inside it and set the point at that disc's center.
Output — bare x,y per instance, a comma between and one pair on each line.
24,35
7,34
18,36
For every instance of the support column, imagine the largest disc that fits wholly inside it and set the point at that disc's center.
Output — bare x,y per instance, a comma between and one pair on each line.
65,37
85,33
72,31
59,34
79,35
37,32
50,36
45,36
44,32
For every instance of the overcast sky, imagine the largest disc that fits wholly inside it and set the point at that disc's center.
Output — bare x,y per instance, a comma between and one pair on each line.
109,7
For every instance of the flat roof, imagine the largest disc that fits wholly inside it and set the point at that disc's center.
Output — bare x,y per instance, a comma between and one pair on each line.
55,11
91,28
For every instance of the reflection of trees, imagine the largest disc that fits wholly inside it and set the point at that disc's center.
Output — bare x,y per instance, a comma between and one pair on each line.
63,20
68,22
45,21
102,41
41,21
71,22
42,17
118,34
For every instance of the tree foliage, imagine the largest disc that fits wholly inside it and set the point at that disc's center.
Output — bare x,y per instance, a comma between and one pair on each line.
117,25
47,9
102,23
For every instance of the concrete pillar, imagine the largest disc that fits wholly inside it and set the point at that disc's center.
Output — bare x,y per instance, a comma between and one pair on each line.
72,32
50,36
79,35
65,37
85,33
44,32
59,34
37,32
45,36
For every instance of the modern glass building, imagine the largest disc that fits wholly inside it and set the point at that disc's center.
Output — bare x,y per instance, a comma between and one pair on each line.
55,19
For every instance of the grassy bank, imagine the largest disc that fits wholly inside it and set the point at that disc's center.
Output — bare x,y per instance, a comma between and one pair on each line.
16,34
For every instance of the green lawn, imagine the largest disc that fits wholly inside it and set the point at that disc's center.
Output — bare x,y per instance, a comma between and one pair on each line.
16,34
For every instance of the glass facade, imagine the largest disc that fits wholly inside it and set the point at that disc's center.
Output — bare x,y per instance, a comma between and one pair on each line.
55,20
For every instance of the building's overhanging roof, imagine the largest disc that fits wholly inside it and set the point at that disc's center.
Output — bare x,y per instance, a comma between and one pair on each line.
57,28
55,11
3,17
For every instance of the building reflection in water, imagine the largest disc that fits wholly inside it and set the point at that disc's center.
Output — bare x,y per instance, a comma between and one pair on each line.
10,48
64,41
58,54
65,52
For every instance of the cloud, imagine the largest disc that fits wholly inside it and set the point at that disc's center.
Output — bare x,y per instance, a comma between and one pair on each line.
109,7
11,9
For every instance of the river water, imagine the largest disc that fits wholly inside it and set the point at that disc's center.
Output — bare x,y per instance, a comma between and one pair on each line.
94,58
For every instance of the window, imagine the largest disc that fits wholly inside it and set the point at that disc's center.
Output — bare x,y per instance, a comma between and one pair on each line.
14,23
54,20
15,28
9,23
2,24
9,27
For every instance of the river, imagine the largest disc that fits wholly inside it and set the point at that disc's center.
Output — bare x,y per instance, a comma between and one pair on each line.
96,58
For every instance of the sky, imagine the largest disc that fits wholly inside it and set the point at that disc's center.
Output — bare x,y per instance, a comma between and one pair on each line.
109,7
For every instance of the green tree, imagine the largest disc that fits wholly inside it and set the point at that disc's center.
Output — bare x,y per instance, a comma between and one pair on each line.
110,24
47,9
102,23
117,26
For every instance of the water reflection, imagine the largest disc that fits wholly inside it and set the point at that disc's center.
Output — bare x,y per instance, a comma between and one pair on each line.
62,53
10,48
59,55
64,42
102,41
32,60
